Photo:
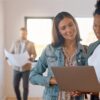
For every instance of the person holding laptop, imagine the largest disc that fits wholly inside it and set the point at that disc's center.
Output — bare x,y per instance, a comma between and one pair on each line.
65,50
93,46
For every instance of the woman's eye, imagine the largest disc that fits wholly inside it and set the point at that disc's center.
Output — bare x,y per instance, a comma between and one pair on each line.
63,28
70,25
67,26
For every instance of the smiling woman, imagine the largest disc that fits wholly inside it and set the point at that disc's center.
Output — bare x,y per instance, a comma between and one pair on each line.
64,50
40,30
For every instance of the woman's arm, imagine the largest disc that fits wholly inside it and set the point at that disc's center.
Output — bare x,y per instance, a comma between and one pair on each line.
36,74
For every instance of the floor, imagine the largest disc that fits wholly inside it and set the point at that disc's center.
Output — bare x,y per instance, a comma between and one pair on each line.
13,98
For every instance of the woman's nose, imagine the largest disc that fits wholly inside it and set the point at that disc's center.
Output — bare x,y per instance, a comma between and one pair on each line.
68,30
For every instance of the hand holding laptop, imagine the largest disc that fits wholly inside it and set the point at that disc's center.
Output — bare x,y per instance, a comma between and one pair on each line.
53,81
73,93
84,79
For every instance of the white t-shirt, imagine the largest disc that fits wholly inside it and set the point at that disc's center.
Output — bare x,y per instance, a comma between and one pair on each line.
22,46
22,50
94,60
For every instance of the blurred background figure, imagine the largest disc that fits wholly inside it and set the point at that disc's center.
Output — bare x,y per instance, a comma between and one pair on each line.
20,46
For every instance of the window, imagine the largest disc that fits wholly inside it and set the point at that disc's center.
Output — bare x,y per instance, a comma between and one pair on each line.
86,30
40,29
39,32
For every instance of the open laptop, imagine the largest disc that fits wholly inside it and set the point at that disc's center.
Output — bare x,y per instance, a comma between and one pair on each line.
81,78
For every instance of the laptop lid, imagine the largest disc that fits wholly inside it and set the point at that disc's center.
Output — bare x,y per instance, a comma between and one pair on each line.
81,78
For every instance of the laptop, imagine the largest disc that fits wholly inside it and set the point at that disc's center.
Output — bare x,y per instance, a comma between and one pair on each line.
80,78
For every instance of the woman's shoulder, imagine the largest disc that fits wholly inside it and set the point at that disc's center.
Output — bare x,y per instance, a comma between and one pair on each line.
82,47
50,47
50,50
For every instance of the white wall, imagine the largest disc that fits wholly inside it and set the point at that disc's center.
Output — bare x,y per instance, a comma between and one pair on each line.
2,78
16,10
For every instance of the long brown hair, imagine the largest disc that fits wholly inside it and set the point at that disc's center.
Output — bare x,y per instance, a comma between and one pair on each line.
57,37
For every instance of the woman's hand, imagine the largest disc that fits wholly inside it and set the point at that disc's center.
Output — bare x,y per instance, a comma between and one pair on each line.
94,93
53,81
75,93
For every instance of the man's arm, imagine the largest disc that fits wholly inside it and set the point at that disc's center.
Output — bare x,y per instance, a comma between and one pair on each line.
33,53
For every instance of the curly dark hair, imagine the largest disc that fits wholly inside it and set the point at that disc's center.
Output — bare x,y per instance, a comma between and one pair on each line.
97,6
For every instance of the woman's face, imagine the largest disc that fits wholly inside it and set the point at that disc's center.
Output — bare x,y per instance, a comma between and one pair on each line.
96,26
67,29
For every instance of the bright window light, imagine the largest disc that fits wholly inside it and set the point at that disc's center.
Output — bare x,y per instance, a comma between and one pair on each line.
39,32
86,30
40,29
